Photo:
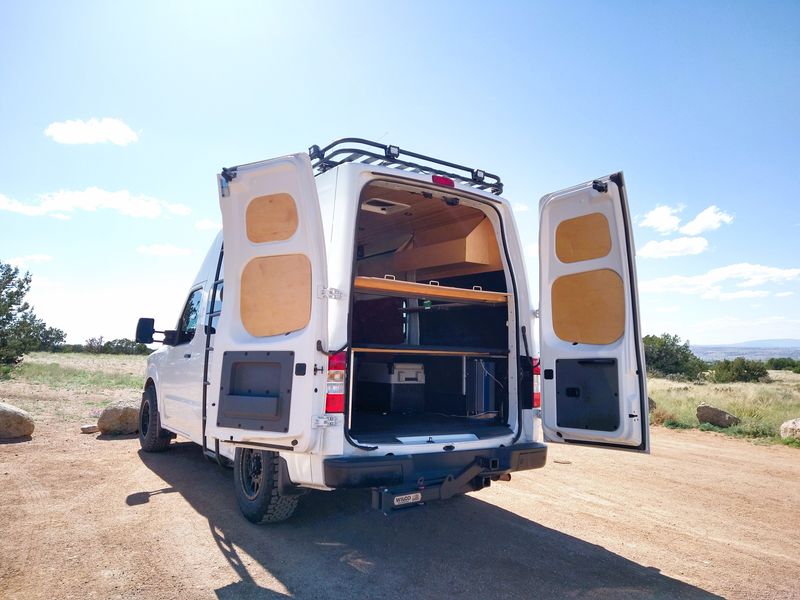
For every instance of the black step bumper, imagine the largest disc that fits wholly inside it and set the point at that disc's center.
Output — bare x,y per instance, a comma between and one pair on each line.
416,471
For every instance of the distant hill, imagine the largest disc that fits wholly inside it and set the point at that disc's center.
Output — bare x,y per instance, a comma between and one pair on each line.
754,350
783,343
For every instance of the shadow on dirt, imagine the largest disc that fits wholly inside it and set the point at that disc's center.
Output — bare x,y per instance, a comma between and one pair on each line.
15,440
116,437
337,546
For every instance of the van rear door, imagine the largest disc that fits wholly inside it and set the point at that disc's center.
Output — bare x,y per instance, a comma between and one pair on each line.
592,362
273,310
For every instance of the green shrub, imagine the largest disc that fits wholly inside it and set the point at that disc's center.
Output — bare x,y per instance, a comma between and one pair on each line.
783,364
739,369
666,355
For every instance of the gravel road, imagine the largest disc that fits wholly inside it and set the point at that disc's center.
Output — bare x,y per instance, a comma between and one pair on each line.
704,516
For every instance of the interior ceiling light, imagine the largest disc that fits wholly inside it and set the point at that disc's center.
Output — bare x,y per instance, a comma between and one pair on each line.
383,206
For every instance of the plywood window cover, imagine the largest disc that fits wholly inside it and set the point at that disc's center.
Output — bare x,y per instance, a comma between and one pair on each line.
271,218
589,307
276,294
409,289
583,238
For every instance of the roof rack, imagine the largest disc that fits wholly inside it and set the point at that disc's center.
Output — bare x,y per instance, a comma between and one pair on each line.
352,150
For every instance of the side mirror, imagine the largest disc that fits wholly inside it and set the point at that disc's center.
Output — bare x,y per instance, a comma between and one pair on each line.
144,330
170,337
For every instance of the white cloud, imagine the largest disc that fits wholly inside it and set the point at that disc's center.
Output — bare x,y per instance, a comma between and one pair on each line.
30,259
93,131
664,219
208,224
520,207
683,246
784,294
707,220
710,285
163,250
59,204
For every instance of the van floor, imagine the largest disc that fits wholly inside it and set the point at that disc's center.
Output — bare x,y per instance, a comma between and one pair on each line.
378,428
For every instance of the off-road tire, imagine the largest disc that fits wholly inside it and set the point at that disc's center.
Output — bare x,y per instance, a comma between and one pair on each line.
152,437
255,477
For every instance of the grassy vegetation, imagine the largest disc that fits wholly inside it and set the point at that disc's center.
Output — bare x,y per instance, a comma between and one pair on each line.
59,376
761,407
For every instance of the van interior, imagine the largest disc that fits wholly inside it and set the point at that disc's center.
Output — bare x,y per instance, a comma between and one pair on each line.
429,326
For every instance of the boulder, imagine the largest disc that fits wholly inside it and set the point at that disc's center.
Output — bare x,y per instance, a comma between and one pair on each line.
121,417
715,416
791,429
14,422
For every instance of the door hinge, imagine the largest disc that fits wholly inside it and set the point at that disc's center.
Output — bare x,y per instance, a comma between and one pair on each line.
322,421
536,313
330,293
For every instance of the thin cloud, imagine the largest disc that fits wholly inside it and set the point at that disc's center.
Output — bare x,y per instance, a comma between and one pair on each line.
710,285
163,250
664,219
208,224
784,294
94,131
708,220
30,259
61,204
520,207
683,246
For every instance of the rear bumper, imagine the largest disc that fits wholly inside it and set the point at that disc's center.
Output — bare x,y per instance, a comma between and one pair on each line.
417,471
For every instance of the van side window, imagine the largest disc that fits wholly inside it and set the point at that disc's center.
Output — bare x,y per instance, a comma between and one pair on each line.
188,322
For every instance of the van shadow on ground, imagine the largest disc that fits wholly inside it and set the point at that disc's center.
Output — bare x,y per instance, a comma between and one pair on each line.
337,546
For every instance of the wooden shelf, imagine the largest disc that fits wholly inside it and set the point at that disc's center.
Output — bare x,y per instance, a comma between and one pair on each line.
408,289
429,351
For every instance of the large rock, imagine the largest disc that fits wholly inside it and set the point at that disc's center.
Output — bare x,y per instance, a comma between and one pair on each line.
715,416
791,429
120,417
14,422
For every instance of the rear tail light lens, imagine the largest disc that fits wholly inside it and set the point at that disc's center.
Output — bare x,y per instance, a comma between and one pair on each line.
537,385
334,399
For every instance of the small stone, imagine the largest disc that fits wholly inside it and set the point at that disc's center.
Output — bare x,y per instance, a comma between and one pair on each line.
14,422
791,429
89,429
715,416
120,418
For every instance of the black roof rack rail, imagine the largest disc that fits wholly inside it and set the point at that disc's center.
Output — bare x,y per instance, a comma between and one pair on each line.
352,150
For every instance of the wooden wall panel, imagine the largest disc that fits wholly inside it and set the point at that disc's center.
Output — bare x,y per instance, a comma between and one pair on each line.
583,238
589,307
271,218
276,294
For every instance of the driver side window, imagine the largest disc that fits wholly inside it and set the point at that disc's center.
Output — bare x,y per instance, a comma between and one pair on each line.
189,317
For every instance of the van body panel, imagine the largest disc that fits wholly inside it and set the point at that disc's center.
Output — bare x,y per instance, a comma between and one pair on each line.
593,386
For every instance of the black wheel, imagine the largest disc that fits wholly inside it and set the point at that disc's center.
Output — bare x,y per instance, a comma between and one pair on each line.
151,437
255,476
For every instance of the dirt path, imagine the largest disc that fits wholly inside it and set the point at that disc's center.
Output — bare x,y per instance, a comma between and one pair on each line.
704,515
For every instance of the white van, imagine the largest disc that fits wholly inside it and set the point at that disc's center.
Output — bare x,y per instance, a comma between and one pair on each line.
367,324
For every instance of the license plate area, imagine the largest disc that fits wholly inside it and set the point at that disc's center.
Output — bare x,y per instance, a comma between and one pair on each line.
405,499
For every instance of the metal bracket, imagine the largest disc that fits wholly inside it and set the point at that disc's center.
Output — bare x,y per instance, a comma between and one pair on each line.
329,293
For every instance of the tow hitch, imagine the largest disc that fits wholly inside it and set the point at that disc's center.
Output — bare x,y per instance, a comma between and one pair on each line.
477,475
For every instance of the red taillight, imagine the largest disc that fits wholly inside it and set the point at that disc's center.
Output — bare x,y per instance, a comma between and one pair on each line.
442,180
334,399
537,385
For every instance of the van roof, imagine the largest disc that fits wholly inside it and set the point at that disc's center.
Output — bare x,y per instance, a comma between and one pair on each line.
374,154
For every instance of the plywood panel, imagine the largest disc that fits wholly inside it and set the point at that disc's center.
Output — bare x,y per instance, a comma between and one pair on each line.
271,218
409,289
589,307
276,294
583,238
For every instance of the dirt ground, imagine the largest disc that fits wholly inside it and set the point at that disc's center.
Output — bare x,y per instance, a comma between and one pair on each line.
87,516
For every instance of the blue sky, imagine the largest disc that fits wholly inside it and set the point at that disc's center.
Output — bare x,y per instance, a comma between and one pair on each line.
696,102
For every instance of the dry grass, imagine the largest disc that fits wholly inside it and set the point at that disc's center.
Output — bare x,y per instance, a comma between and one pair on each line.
761,407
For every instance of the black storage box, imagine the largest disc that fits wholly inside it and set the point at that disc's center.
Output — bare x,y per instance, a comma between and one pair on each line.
392,387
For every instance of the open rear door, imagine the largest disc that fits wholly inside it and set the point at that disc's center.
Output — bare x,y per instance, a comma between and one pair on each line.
592,362
272,312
